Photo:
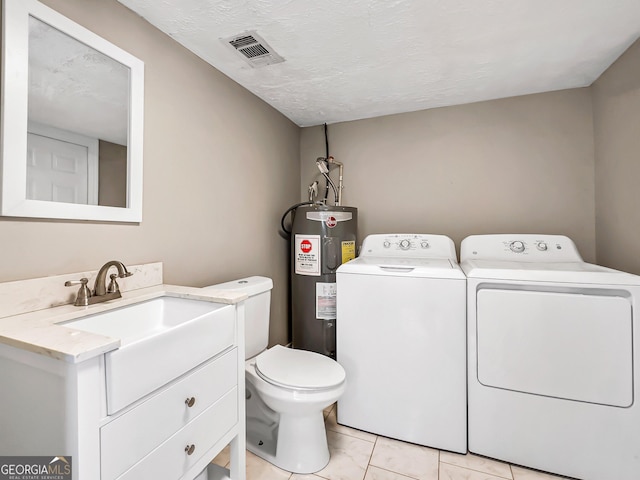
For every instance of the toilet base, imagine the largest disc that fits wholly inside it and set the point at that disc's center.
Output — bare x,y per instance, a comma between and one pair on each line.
296,443
286,426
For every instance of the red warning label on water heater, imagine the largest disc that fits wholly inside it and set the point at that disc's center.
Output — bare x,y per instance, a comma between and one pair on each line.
306,246
307,253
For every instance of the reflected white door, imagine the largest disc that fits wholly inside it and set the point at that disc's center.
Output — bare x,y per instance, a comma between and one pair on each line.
58,171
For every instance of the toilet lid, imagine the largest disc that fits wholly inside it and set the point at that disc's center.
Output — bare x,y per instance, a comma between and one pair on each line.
300,369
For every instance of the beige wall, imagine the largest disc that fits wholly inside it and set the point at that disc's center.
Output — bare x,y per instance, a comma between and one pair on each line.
523,164
616,102
220,167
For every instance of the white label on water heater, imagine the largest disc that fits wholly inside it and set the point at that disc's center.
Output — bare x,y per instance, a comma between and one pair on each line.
307,255
326,301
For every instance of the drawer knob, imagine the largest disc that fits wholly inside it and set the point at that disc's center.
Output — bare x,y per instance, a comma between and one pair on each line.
190,449
190,402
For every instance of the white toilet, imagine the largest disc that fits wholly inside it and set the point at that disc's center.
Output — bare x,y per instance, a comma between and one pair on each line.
287,389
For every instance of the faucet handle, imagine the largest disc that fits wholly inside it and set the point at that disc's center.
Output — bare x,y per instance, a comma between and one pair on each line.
113,284
82,300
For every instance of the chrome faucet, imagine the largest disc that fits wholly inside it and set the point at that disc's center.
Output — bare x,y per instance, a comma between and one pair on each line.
101,293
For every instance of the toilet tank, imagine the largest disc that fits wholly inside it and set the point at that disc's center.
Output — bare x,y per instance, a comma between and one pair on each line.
256,311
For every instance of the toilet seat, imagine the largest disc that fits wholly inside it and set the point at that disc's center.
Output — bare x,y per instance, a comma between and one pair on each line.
298,369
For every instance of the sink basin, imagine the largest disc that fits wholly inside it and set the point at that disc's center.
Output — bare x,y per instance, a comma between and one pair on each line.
141,320
160,339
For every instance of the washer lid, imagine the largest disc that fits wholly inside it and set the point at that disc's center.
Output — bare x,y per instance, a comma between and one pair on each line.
298,369
405,267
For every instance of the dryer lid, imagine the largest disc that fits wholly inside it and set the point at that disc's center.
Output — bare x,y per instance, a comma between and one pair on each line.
565,272
301,369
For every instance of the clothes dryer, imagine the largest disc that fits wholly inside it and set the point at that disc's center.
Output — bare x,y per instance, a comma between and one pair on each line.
552,357
400,335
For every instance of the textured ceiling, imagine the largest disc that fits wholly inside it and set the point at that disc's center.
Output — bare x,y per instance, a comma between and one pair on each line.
346,60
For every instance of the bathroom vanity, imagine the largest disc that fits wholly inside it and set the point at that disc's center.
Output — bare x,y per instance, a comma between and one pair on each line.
147,386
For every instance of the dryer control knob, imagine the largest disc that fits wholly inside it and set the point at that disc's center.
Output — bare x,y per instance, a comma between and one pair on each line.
542,246
386,244
405,244
517,247
424,244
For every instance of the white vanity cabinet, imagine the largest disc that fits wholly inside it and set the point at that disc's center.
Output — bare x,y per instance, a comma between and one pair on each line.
54,407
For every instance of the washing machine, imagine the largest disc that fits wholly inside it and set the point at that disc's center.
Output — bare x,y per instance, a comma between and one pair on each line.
400,336
552,357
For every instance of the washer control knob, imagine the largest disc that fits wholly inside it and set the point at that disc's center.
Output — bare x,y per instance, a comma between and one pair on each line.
386,244
517,246
405,244
424,244
542,246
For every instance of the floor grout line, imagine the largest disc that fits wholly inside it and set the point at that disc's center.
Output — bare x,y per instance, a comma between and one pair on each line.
481,471
392,471
370,457
353,436
366,470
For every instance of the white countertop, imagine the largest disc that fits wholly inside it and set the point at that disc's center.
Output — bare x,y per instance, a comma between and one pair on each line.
40,331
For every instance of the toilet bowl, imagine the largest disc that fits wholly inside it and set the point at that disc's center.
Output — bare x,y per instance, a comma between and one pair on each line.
286,390
285,421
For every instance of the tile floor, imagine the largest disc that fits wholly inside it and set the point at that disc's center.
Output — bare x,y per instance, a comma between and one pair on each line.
357,455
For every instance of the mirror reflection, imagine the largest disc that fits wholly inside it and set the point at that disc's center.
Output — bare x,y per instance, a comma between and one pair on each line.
78,115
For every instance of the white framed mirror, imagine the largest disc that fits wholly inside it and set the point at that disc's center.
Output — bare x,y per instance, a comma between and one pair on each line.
72,120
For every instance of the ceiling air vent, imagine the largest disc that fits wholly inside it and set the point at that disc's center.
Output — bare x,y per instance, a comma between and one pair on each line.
253,49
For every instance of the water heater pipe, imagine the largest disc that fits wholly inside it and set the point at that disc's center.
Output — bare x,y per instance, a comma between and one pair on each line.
324,170
340,172
313,190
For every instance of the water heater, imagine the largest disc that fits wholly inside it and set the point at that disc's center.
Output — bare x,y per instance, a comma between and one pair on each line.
323,237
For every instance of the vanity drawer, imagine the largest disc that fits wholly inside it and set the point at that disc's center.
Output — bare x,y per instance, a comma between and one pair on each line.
135,370
133,435
170,460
